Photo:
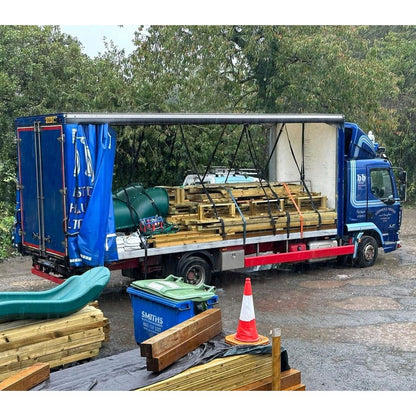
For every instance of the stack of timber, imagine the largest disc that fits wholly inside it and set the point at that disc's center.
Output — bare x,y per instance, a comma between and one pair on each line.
248,372
56,342
237,372
217,212
165,348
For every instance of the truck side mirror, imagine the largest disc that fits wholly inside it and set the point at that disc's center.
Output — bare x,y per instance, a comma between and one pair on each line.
402,175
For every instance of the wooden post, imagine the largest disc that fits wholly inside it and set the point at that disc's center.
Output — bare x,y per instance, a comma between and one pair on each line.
276,364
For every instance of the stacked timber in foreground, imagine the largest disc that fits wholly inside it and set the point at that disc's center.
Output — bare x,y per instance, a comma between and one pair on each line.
237,372
248,372
56,342
219,212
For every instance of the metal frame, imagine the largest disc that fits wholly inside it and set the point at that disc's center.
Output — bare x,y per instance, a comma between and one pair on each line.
199,118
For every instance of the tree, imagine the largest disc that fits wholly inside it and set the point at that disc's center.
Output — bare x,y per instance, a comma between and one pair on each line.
44,71
396,47
329,69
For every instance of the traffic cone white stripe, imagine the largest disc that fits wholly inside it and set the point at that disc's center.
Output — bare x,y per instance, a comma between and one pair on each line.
246,330
247,309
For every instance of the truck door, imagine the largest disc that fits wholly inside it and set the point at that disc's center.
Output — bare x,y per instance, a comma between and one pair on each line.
42,185
383,207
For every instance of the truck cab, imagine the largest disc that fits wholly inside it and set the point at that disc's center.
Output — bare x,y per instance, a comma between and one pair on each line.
373,206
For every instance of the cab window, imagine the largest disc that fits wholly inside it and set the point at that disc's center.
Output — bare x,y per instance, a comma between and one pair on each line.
381,184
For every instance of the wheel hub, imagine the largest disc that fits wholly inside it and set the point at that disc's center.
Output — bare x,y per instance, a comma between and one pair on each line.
369,252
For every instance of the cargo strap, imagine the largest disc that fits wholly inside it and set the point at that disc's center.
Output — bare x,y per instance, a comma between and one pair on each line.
152,202
241,215
302,173
201,181
261,176
133,213
214,153
296,206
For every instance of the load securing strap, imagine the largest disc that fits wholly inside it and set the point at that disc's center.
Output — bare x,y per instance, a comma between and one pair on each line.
261,179
201,181
302,172
241,215
296,206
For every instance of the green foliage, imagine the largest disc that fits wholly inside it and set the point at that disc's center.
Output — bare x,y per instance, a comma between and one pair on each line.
329,69
44,71
6,224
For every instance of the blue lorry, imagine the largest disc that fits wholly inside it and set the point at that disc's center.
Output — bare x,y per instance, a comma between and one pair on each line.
67,214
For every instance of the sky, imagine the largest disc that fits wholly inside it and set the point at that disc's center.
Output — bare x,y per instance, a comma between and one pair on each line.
90,20
92,36
239,12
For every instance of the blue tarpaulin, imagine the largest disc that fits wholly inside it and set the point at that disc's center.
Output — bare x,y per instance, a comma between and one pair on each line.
90,152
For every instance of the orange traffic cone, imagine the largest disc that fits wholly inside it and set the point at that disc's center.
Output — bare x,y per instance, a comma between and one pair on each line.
246,330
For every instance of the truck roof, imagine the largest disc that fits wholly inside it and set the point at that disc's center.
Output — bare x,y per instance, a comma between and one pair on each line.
181,118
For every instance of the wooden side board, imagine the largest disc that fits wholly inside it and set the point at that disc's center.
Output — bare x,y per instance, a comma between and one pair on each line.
26,379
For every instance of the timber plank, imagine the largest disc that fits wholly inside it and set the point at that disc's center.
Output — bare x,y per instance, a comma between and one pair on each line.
41,330
220,374
168,339
10,325
57,359
194,240
240,373
233,378
288,378
48,336
298,387
26,379
158,363
36,351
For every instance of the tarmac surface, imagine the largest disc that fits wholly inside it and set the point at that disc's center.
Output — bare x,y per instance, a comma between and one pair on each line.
344,328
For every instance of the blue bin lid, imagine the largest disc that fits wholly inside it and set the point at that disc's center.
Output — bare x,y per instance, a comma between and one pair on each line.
175,288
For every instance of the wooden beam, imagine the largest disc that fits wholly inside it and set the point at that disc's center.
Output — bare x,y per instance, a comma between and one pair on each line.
158,363
170,338
26,379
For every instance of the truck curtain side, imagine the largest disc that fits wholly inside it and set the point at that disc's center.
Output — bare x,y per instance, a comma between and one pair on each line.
65,217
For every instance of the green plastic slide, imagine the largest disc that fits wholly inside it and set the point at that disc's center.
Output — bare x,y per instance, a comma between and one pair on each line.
69,297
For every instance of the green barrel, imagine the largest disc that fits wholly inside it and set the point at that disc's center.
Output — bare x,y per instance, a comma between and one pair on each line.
134,203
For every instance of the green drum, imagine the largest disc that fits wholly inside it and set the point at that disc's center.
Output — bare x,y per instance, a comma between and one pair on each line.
133,203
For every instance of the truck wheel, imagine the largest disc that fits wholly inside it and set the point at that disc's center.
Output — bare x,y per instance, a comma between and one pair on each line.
196,271
367,251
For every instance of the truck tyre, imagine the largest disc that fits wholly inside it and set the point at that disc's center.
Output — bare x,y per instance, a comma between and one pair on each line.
367,251
195,270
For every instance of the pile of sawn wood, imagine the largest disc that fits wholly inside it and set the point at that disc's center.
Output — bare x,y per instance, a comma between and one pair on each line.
236,372
217,212
56,342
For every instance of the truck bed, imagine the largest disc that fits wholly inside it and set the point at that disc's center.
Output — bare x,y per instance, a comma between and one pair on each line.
237,214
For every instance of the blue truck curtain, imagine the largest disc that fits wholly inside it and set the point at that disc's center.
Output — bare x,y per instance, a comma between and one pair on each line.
89,153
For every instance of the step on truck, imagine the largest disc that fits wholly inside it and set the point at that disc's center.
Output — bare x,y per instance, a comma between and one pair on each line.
330,193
